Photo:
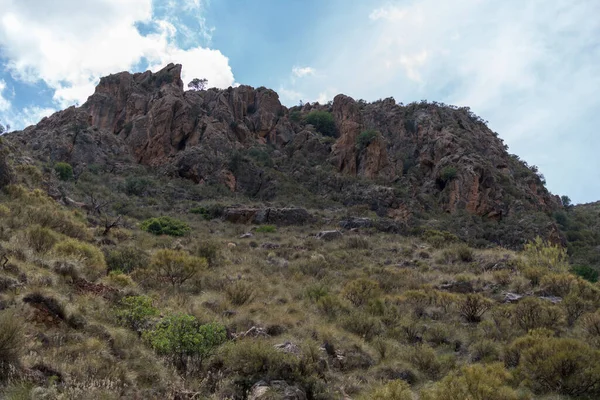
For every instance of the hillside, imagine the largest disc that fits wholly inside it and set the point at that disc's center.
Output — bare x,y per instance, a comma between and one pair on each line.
157,243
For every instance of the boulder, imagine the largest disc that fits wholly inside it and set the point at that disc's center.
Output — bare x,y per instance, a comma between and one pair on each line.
329,235
281,389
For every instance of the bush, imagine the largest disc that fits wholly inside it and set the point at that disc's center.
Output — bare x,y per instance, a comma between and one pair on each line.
126,259
89,255
249,361
585,272
358,242
566,366
12,341
448,173
64,171
362,324
394,390
539,254
266,229
208,250
176,266
135,186
135,312
474,382
366,138
533,313
239,292
323,122
473,306
165,226
182,338
360,291
41,239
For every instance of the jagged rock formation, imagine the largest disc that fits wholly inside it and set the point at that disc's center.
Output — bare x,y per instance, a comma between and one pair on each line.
419,157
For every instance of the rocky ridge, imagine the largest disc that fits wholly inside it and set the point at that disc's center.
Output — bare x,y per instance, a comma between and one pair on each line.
396,159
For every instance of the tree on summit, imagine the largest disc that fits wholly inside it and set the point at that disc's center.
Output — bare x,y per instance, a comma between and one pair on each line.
198,84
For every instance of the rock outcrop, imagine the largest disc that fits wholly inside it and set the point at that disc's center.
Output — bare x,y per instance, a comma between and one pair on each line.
414,158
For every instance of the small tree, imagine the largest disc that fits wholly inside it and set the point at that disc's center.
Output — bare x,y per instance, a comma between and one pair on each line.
64,171
135,312
183,339
198,84
566,202
176,266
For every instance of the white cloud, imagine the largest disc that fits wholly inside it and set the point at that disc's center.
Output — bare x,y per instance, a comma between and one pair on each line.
412,63
70,44
300,72
33,115
4,103
289,96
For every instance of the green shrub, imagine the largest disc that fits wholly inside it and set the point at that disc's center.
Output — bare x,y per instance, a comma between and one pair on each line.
64,171
41,239
360,291
176,266
393,390
473,306
266,229
448,173
563,365
87,254
366,138
135,312
474,382
296,116
182,338
588,273
208,212
540,254
127,259
165,226
135,186
322,121
362,324
533,313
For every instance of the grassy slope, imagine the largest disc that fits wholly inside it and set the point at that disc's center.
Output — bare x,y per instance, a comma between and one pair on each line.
374,298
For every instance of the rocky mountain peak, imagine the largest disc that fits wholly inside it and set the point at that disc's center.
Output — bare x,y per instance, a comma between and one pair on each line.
397,159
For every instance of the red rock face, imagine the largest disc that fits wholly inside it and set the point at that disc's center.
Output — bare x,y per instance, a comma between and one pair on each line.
148,118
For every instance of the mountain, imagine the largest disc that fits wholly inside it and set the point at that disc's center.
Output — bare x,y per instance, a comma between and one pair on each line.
405,163
157,243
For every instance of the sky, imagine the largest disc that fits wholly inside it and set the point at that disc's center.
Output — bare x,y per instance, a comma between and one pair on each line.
531,68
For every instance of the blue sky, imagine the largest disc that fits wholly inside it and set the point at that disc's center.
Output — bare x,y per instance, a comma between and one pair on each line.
531,68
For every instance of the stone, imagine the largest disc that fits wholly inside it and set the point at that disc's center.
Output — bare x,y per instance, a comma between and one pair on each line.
512,297
329,235
284,391
458,287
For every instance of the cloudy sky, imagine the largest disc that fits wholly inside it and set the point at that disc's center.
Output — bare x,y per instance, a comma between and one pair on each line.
531,68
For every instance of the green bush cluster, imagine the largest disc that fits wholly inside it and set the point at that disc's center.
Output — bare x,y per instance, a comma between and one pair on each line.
135,312
165,226
182,338
266,229
64,171
365,138
126,259
448,173
322,121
